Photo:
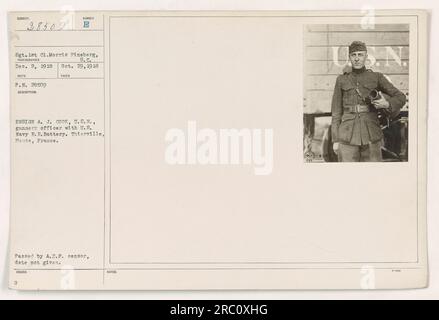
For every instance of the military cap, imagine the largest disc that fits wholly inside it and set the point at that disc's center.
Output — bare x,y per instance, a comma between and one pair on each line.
357,46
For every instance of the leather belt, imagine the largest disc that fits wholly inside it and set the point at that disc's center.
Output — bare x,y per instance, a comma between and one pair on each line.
357,108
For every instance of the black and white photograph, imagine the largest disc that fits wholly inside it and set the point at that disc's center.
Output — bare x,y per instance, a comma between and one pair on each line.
356,92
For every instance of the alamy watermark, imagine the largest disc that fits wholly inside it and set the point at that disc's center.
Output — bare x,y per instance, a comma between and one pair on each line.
230,146
367,279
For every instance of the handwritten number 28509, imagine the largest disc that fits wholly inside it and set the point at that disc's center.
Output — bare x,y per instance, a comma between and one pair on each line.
41,26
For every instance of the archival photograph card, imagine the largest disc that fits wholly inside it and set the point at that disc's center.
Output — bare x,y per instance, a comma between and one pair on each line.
218,150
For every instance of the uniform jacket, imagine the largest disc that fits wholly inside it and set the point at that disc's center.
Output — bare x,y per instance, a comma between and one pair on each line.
361,128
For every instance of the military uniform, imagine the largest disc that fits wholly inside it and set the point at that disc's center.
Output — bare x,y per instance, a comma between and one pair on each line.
354,122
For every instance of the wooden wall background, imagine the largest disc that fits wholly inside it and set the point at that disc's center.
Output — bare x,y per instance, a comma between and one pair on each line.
326,57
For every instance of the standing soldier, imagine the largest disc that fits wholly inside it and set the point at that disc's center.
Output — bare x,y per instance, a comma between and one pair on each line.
358,96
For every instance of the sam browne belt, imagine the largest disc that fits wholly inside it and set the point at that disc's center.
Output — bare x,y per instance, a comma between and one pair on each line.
357,108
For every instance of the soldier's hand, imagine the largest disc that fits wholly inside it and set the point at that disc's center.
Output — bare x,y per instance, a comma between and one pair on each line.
335,147
381,103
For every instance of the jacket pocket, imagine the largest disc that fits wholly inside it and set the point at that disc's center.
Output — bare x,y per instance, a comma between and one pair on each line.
350,96
348,116
345,130
371,85
375,132
346,86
